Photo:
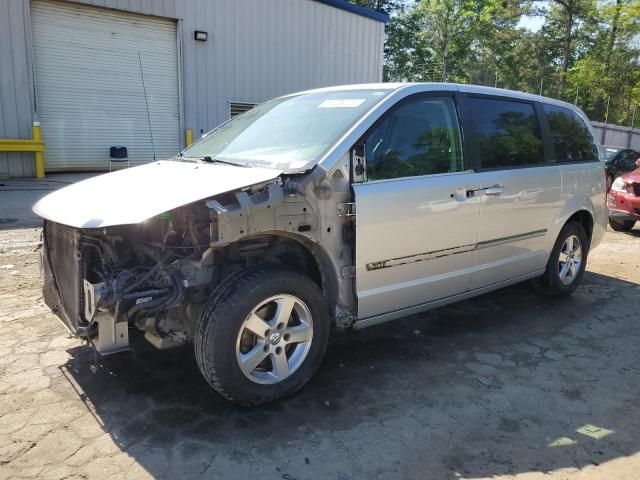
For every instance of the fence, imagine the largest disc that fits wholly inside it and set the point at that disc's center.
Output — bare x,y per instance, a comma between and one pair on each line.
617,135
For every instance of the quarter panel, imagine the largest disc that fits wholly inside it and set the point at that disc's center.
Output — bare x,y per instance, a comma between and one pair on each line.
583,188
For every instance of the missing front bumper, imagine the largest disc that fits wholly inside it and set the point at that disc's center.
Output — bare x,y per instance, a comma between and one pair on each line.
112,335
62,274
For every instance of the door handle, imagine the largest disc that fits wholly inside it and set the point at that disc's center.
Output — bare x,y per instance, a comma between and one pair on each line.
494,190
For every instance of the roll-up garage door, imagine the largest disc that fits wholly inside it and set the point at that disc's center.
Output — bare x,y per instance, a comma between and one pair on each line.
104,78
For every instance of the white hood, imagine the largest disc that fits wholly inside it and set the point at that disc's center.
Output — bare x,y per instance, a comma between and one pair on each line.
136,194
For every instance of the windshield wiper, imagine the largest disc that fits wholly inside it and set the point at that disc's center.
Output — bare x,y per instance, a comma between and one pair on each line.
210,159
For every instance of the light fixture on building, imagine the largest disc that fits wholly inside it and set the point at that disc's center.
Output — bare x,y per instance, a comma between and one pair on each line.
200,35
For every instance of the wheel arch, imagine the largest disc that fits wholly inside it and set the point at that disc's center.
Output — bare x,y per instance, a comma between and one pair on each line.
579,208
584,218
300,254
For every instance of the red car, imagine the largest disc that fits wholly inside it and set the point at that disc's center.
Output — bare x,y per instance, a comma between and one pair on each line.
624,201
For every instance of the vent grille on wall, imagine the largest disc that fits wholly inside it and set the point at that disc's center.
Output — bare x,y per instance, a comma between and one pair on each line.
237,108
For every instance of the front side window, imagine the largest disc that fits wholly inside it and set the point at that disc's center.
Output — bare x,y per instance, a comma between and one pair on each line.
418,138
506,133
290,133
571,137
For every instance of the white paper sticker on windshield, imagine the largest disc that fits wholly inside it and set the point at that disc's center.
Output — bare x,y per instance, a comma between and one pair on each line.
342,103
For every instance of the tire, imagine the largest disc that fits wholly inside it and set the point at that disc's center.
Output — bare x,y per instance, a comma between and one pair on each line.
621,225
552,282
223,339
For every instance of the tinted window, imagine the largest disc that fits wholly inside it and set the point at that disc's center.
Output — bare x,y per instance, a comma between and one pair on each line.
571,137
611,154
506,133
627,160
418,138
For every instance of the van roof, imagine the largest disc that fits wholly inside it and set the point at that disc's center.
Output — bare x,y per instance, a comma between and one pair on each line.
461,87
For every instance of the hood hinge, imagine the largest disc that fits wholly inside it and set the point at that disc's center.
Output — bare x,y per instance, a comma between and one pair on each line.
347,209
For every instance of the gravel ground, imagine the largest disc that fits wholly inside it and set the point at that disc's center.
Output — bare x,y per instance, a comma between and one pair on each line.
507,385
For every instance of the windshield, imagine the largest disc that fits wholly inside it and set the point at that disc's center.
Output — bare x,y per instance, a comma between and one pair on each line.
609,153
288,133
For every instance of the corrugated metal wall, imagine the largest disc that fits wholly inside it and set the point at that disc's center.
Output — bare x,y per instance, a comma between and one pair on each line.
104,79
16,85
257,49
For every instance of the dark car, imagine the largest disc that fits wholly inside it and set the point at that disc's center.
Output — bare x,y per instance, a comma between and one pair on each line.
619,160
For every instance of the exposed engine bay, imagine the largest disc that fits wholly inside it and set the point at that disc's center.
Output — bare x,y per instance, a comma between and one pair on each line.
143,274
156,275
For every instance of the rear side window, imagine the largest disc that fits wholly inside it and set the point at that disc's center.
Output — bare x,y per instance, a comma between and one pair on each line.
506,133
571,137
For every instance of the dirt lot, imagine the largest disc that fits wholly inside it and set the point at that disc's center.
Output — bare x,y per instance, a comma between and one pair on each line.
508,385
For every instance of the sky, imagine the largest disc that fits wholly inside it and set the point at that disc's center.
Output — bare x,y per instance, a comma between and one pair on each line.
531,23
534,23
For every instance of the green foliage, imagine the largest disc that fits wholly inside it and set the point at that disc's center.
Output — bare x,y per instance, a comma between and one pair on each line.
513,138
436,155
385,6
587,51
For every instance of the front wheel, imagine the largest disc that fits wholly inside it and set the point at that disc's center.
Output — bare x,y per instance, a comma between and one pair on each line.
567,262
264,338
621,225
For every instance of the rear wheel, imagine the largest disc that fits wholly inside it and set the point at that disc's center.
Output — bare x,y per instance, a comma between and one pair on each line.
621,225
567,262
264,338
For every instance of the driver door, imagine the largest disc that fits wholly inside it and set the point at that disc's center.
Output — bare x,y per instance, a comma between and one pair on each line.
416,212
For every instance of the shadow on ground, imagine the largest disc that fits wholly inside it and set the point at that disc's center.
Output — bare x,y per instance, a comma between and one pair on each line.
497,385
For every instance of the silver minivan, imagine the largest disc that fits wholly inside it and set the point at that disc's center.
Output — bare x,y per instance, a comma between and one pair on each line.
345,206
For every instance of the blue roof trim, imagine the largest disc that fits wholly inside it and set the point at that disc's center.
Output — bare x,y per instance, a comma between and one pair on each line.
357,9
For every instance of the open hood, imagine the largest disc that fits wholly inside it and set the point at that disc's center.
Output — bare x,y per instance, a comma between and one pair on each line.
136,194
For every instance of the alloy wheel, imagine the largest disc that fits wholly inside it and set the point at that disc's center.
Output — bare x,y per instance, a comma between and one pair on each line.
274,339
570,260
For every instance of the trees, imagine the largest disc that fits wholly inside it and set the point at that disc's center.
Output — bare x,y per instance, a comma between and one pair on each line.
446,27
568,13
386,6
441,40
607,68
587,51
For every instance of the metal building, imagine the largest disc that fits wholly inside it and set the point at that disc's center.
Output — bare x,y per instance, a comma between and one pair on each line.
145,74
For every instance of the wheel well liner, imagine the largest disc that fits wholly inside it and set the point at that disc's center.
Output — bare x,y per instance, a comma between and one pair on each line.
302,255
584,218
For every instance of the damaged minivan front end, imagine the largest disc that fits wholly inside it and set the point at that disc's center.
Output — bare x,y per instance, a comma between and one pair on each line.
157,274
242,245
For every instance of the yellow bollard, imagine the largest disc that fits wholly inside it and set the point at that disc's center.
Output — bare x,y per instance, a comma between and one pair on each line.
39,155
188,137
